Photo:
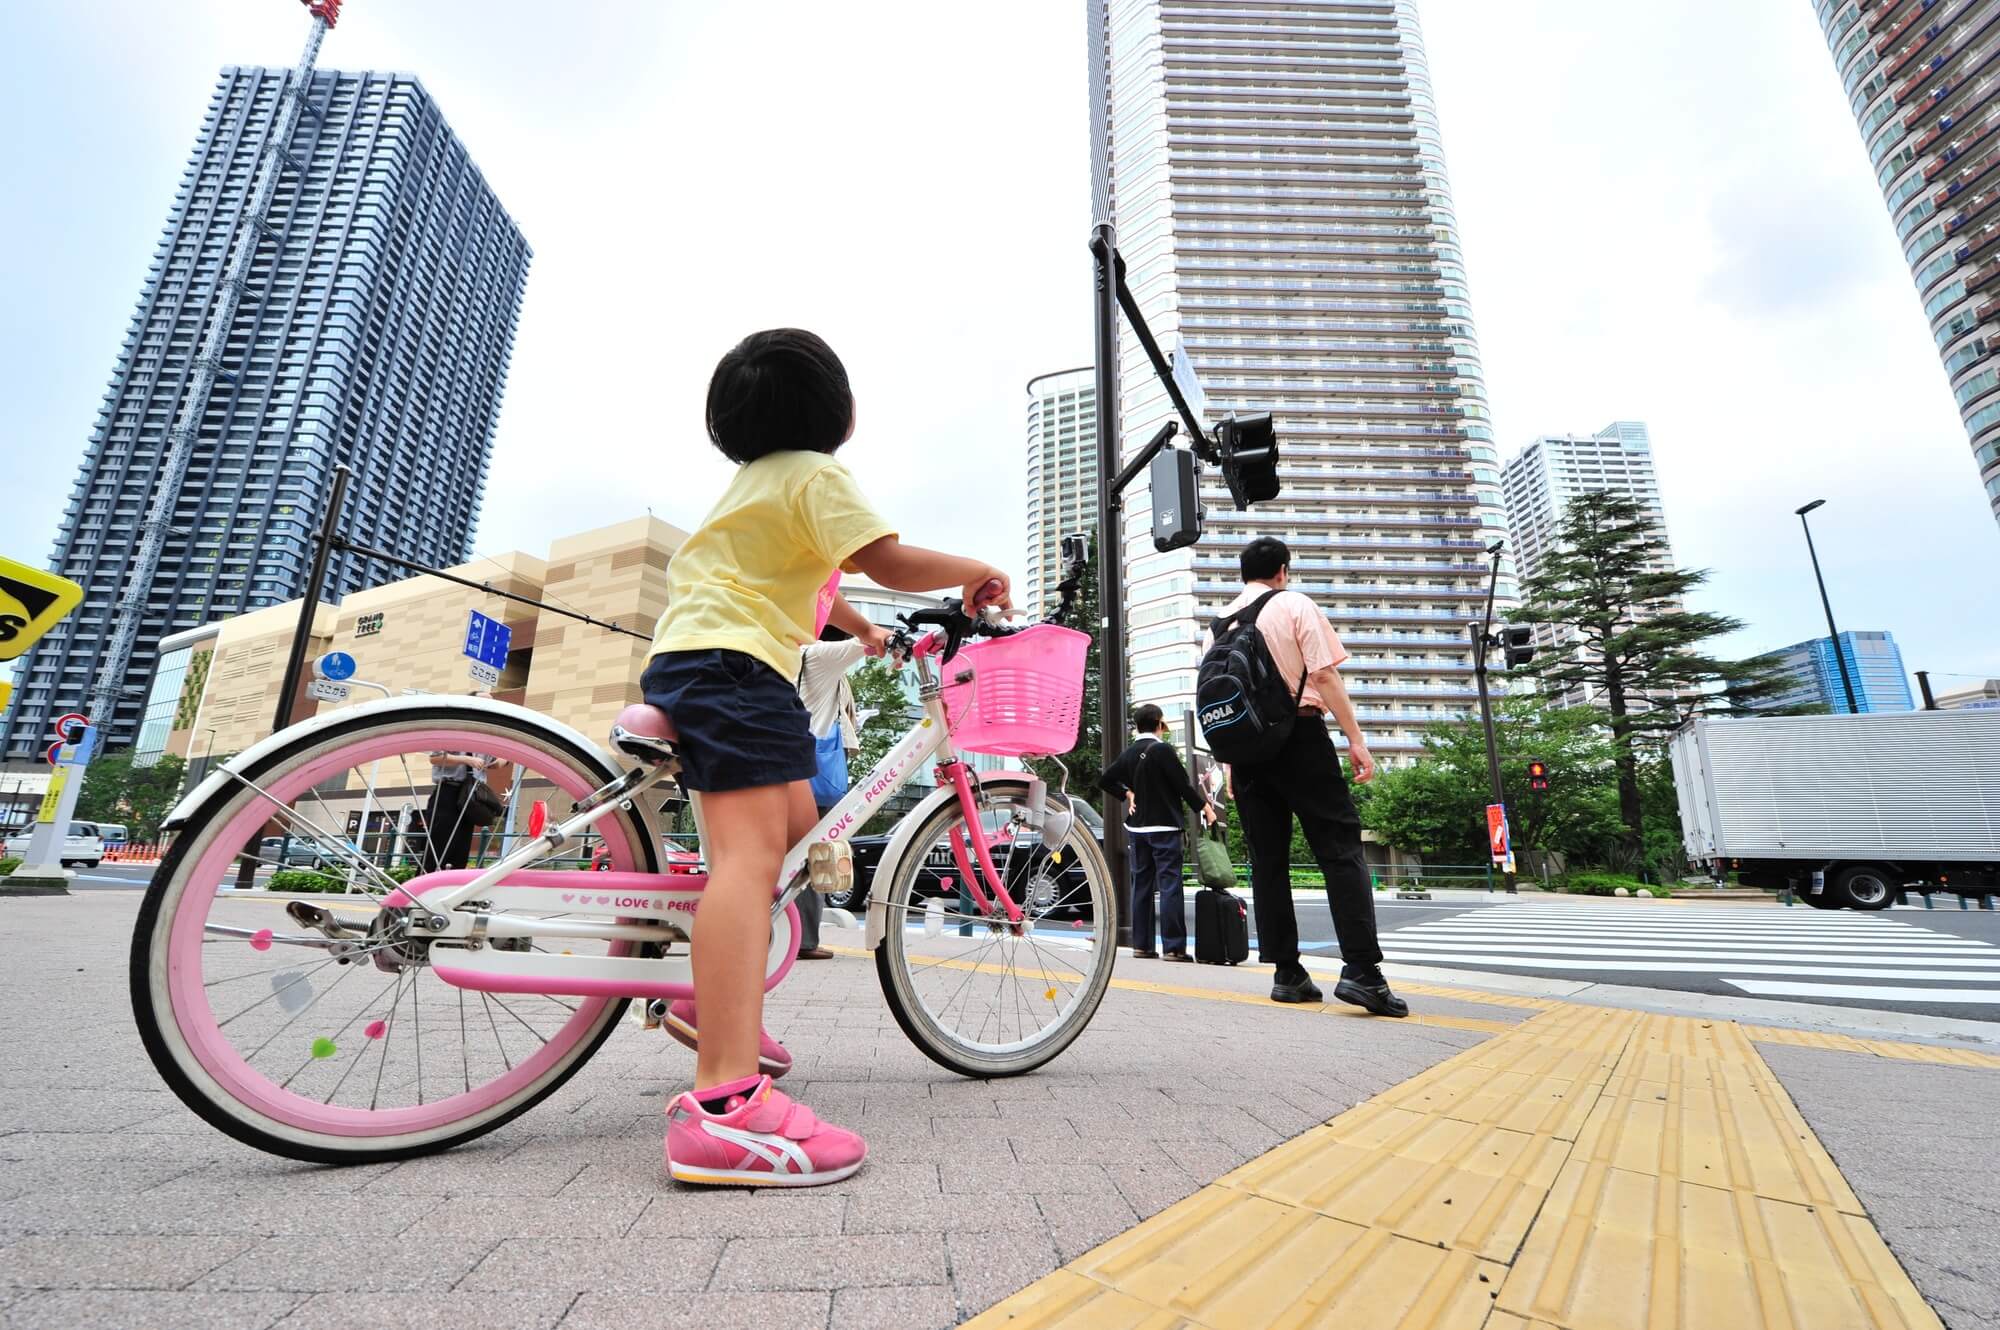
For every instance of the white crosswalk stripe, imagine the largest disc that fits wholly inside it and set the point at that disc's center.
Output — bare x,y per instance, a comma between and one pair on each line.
1776,953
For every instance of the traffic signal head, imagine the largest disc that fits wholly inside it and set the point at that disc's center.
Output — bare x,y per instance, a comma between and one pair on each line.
1538,775
1176,500
1248,448
1518,641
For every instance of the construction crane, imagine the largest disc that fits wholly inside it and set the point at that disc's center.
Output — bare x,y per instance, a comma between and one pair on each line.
253,227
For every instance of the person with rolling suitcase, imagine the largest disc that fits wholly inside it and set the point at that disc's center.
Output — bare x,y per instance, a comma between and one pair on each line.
1150,781
1221,919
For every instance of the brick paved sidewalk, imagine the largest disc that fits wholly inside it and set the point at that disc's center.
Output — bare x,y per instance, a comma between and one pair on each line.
118,1207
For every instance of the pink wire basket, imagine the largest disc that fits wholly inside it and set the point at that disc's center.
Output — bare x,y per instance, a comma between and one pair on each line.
1025,697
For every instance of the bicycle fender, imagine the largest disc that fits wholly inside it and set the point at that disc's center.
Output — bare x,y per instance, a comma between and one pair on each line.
219,779
900,841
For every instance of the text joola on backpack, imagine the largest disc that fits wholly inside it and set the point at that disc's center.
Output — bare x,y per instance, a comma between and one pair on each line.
1245,707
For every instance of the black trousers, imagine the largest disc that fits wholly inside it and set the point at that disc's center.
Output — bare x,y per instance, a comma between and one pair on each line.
448,831
1304,781
1156,870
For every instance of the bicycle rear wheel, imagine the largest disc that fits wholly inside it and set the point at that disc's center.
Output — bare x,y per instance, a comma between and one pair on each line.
273,983
976,992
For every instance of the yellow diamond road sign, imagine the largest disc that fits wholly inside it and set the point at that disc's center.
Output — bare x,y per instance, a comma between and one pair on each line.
31,602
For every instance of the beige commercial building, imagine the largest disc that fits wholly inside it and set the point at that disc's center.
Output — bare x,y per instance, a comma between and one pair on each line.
217,690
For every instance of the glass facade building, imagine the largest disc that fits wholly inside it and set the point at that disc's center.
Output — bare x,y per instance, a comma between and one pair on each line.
1873,662
1062,474
1919,75
1277,180
374,329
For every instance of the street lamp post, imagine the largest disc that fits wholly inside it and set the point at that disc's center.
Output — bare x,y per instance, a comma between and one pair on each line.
1833,633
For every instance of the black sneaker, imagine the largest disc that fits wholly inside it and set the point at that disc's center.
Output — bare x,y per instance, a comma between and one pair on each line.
1374,998
1300,989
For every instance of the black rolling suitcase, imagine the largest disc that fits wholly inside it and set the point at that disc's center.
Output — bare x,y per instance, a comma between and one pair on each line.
1221,927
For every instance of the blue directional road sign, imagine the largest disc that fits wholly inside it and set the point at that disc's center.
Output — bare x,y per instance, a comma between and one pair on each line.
334,665
487,640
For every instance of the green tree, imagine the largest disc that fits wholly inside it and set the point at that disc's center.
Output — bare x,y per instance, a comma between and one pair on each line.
1085,762
1632,648
881,691
114,790
1437,807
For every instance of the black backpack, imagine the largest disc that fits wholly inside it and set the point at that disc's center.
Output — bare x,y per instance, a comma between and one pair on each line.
1245,707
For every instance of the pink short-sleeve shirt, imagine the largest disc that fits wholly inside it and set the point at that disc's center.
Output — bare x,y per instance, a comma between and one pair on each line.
1297,635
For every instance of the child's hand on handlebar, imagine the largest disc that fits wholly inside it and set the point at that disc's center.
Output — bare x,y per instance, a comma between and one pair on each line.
876,639
990,589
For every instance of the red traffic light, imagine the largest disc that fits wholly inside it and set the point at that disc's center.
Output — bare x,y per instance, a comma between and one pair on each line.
1538,775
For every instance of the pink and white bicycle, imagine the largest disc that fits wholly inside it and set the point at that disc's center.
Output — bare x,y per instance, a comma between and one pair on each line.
405,1013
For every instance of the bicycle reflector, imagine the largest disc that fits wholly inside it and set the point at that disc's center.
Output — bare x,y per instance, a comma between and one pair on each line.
1176,500
1538,775
1518,641
1249,450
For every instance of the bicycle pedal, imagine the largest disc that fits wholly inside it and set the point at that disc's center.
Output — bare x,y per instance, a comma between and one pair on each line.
830,866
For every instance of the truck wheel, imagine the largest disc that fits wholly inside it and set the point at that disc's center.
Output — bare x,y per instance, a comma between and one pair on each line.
1864,887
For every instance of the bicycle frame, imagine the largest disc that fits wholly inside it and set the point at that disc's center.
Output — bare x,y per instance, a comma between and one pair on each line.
440,919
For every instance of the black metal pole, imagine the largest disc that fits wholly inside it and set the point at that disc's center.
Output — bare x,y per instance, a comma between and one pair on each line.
1833,633
1110,550
295,663
1924,687
1482,642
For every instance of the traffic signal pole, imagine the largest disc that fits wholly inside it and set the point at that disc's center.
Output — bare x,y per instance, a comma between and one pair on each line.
1110,551
1482,643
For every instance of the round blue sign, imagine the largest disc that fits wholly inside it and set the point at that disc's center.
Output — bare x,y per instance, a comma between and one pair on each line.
335,665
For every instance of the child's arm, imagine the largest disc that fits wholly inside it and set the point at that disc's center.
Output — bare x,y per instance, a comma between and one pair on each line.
850,620
901,567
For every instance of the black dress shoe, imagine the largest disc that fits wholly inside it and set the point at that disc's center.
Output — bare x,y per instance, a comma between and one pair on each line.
1176,956
1375,998
1302,989
1139,955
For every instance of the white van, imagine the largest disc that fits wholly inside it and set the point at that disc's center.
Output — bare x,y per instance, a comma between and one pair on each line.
83,849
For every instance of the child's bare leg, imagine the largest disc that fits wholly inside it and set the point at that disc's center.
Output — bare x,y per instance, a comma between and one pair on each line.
802,814
732,927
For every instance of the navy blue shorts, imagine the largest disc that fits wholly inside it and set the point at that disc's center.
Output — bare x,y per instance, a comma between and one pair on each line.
741,722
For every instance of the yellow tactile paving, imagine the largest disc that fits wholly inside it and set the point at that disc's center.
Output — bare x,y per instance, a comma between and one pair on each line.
1734,1133
1518,1101
1235,1261
1626,1250
1480,995
1589,1168
1437,1180
1884,1048
1066,1301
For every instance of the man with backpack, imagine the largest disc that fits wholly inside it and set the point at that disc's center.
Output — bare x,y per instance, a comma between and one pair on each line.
1150,782
1266,683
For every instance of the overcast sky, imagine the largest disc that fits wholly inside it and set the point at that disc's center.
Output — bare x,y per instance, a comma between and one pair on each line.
1666,211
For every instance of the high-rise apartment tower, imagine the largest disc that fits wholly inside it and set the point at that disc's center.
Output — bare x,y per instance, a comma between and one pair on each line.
1062,474
1277,181
1919,77
1541,479
374,329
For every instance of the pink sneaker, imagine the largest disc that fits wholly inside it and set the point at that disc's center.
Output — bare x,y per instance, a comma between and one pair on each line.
763,1139
772,1059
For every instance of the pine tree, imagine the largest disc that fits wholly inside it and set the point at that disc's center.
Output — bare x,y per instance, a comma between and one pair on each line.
1632,648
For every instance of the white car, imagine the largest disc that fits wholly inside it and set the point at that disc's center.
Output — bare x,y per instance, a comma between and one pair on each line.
83,849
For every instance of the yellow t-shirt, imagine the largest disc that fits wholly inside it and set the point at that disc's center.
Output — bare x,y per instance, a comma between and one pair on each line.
749,578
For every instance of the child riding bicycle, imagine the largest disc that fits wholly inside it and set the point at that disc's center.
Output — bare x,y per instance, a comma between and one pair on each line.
742,598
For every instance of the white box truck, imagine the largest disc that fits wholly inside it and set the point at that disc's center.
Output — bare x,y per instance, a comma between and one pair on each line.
1846,810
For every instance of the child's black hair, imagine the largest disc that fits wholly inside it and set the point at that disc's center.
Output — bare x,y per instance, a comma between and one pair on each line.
783,389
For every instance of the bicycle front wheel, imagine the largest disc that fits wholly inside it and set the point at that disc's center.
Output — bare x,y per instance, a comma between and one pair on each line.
274,983
976,991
